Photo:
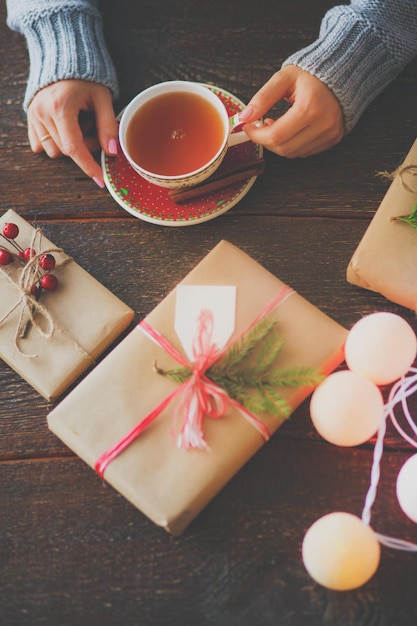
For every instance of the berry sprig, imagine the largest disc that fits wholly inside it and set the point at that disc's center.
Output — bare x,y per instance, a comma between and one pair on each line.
43,279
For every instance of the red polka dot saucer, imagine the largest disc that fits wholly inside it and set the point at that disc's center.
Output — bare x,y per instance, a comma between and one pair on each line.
153,204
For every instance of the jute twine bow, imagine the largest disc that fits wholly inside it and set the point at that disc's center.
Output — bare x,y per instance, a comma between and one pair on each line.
32,312
402,171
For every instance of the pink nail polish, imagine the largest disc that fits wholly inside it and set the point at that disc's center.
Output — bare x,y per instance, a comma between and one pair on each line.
99,182
246,113
112,147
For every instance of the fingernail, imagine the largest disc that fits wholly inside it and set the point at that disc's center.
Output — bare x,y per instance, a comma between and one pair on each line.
246,113
112,147
99,182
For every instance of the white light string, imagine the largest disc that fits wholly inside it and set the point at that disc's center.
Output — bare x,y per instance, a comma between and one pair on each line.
399,393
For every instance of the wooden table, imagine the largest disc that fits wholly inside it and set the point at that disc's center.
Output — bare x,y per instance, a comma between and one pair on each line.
72,550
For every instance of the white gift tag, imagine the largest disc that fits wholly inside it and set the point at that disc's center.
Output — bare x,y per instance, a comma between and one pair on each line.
191,300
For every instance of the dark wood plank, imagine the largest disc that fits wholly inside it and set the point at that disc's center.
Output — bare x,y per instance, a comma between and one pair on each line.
74,551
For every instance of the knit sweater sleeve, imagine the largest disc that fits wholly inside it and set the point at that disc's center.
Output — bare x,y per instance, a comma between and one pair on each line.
65,40
361,48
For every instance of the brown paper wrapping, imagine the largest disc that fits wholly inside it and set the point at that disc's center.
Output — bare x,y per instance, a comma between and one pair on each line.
385,260
168,484
87,319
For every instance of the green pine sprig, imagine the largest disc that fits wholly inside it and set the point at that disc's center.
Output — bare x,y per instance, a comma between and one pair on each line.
410,219
248,372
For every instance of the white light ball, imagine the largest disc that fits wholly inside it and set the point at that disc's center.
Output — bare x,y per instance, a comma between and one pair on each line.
381,346
346,408
407,488
340,551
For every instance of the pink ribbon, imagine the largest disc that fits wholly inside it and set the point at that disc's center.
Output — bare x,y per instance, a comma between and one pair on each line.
200,397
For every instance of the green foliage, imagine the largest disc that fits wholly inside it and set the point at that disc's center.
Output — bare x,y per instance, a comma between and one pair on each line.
410,219
249,374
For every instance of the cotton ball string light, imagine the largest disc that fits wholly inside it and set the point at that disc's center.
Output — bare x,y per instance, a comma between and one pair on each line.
340,552
406,488
381,346
346,408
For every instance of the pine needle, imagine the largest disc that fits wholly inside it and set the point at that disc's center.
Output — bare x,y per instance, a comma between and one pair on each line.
249,375
410,219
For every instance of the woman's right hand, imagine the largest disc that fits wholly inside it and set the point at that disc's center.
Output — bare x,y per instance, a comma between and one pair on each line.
74,118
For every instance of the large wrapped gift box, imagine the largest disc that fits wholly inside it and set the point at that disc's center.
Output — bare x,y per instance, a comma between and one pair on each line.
70,326
385,261
168,484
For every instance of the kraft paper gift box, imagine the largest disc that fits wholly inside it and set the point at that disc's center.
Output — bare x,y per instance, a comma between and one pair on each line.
72,325
168,484
385,261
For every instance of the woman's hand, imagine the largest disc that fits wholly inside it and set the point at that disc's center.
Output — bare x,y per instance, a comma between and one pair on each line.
312,124
74,118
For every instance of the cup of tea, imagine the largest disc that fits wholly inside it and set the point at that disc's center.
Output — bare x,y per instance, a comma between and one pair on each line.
175,134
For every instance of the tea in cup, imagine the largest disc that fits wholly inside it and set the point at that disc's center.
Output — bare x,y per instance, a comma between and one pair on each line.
176,134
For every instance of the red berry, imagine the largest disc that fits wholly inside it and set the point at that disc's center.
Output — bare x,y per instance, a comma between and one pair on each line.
10,230
28,253
6,257
47,262
49,282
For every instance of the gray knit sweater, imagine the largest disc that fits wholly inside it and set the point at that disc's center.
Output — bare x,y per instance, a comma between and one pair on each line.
65,40
361,47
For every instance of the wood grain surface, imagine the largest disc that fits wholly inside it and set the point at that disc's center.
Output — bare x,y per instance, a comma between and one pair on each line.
72,550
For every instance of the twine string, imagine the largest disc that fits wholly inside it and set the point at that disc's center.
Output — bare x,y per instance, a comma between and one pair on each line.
402,171
32,311
408,169
200,396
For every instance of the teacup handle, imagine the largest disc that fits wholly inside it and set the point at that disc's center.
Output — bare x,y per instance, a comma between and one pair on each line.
235,138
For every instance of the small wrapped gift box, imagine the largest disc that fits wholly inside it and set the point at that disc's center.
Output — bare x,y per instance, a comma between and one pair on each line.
120,419
385,261
52,339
